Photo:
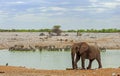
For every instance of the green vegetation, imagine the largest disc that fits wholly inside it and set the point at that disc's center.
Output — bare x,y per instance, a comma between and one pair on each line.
56,29
25,30
96,31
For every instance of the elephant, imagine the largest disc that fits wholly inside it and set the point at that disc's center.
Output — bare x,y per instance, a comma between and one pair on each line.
21,48
85,51
16,47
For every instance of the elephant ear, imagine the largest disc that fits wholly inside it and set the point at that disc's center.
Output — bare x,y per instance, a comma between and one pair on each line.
83,47
75,47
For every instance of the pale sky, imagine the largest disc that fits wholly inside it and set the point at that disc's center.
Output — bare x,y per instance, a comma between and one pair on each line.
70,14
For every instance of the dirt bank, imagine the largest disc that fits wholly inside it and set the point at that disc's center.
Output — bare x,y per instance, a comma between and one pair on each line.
19,71
9,39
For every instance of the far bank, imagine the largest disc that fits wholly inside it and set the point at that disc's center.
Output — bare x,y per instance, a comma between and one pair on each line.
34,39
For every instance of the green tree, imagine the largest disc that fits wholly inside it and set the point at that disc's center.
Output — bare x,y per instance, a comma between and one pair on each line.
56,29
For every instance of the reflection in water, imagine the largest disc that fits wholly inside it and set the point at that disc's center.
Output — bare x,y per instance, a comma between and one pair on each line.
53,59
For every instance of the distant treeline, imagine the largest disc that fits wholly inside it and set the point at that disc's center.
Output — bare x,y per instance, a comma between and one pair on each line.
25,30
97,31
49,30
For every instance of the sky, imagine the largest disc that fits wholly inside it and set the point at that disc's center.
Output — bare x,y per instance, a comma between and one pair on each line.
70,14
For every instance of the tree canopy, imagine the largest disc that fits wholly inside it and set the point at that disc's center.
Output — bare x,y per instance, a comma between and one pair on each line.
56,29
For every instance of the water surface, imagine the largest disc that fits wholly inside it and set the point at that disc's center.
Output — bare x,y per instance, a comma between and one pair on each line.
54,59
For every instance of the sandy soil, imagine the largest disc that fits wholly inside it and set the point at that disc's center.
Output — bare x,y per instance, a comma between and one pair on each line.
107,40
20,71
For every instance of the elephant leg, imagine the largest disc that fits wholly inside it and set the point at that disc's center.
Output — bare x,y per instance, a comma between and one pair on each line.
99,62
83,63
90,63
72,56
76,60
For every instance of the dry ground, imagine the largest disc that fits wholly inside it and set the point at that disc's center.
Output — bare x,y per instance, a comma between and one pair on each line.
107,40
20,71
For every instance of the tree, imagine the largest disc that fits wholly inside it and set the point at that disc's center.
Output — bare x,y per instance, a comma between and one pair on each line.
56,29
